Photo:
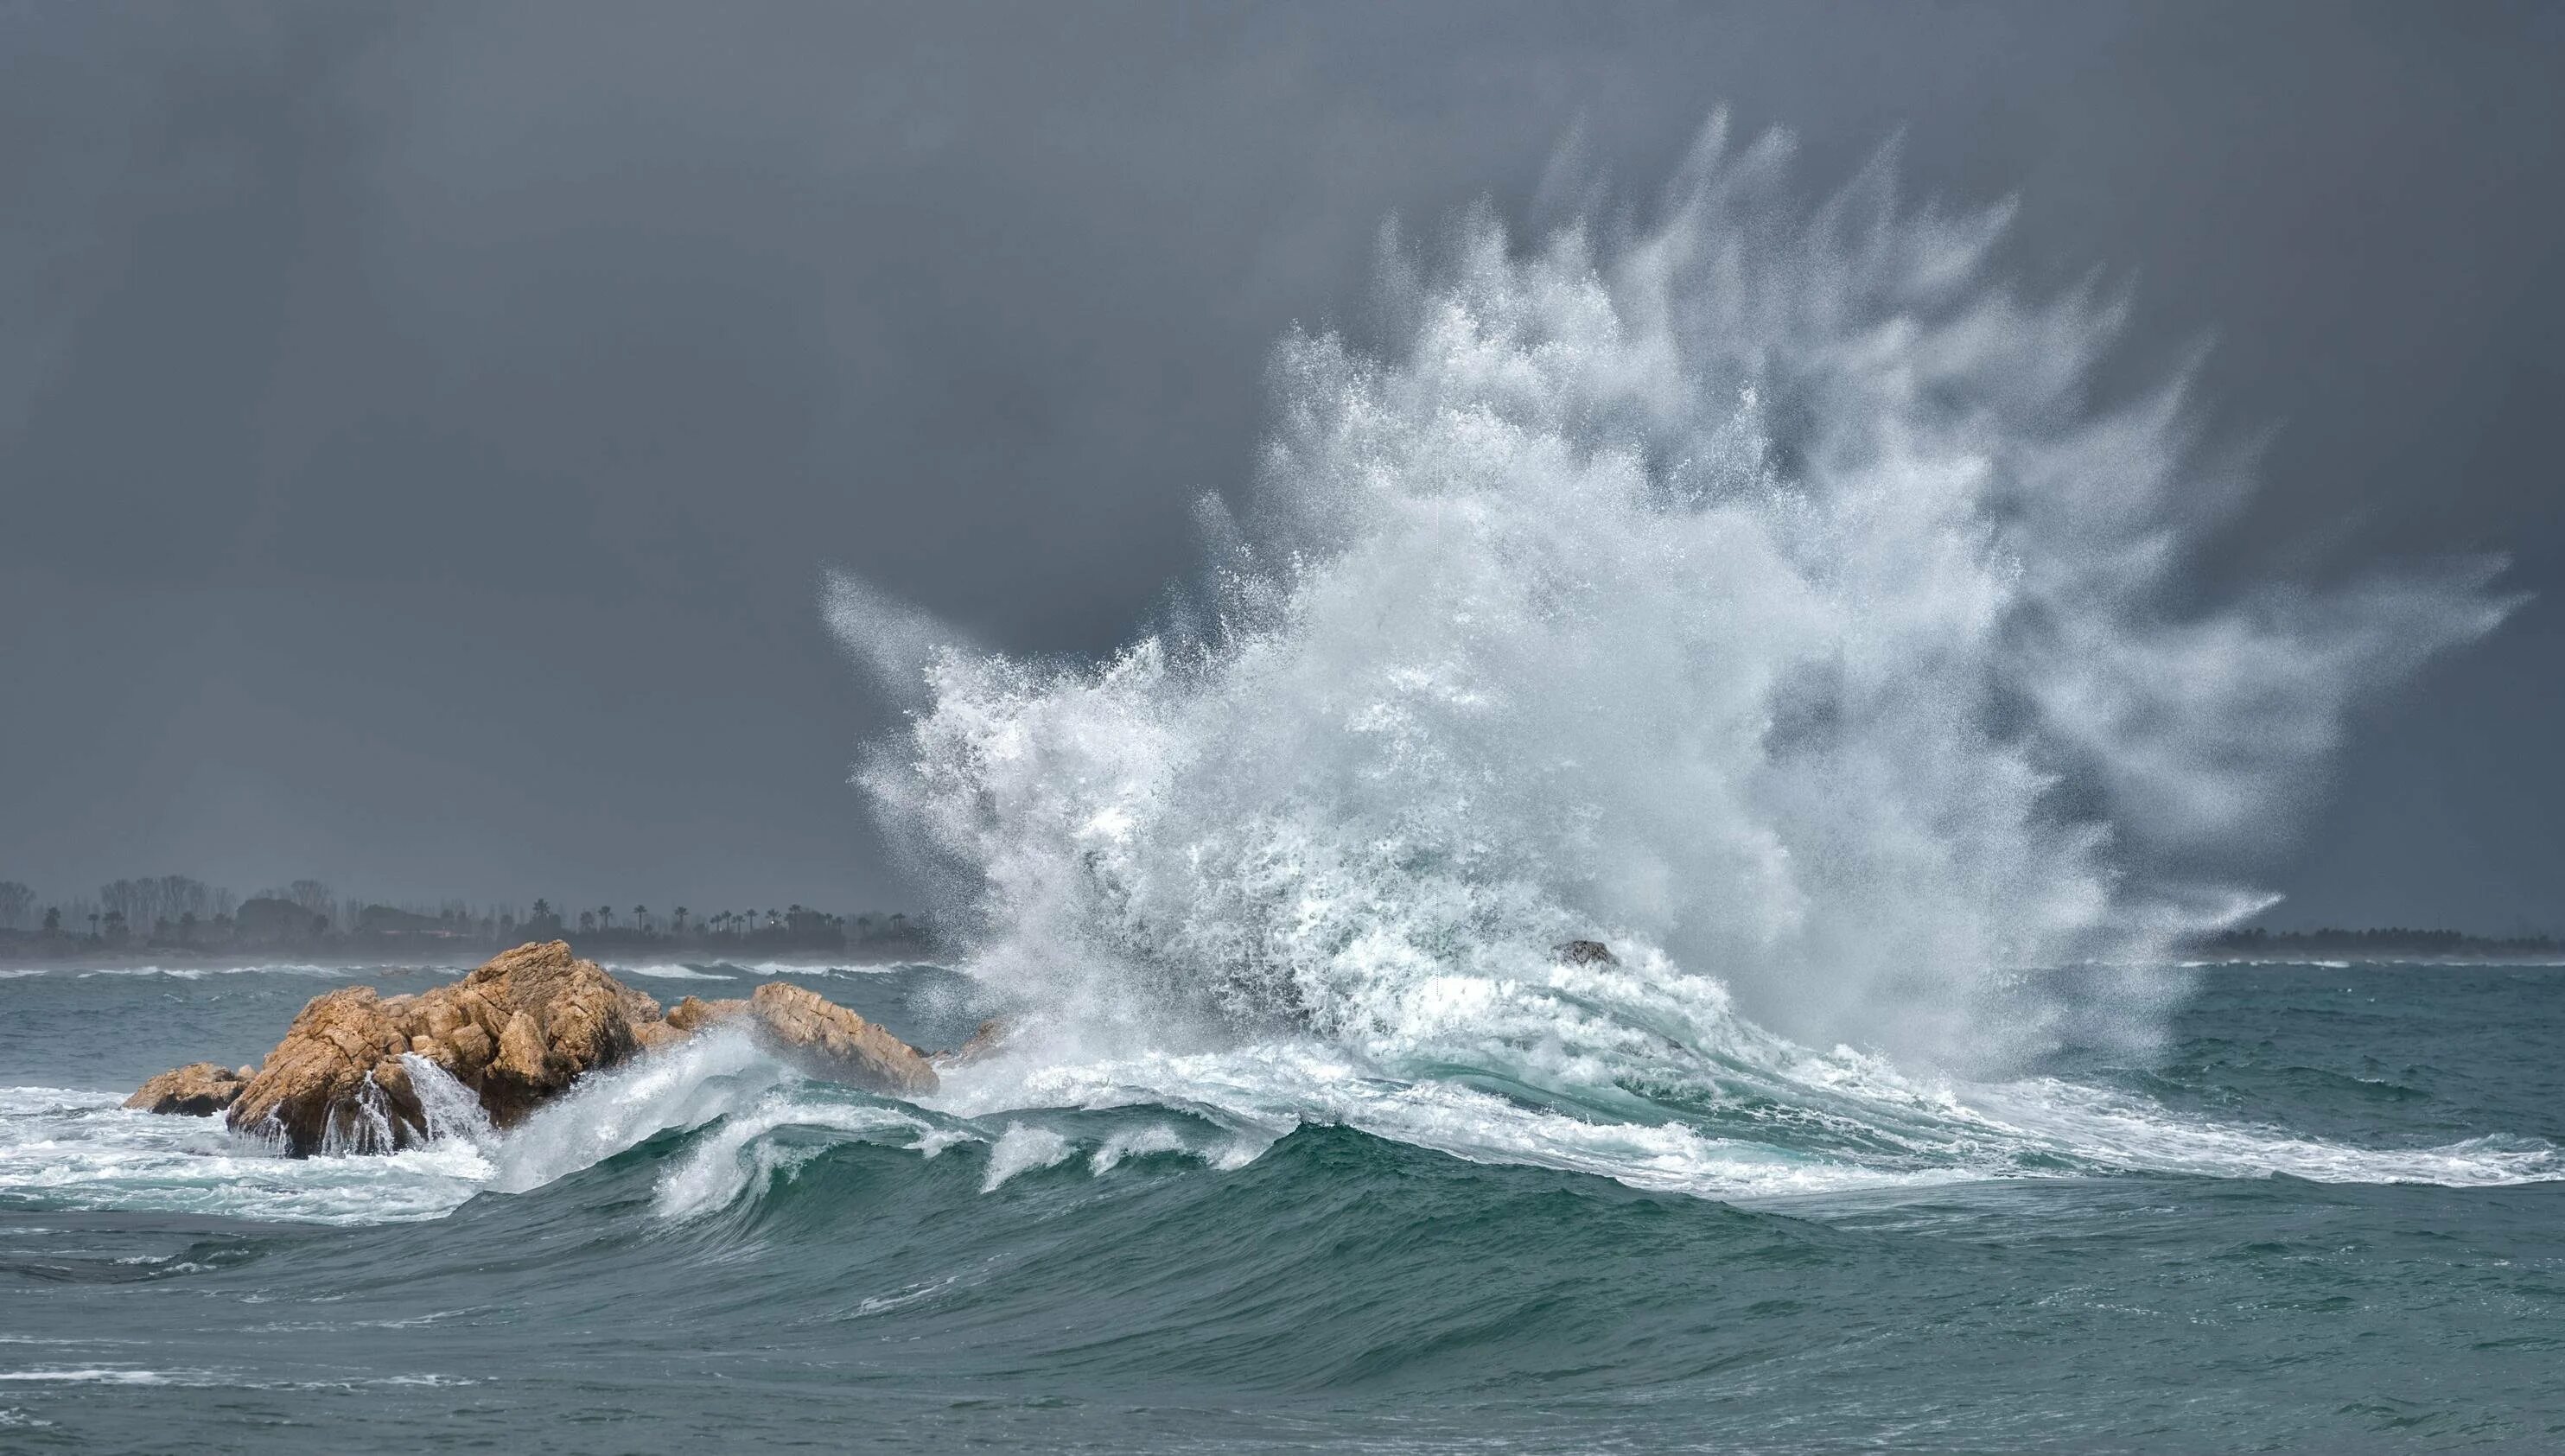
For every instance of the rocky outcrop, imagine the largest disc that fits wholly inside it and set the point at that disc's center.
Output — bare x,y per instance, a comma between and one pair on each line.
1584,953
984,1040
319,1087
830,1042
197,1089
522,1028
694,1013
819,1036
515,1033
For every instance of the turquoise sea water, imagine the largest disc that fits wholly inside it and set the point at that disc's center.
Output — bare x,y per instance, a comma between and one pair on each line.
2323,1215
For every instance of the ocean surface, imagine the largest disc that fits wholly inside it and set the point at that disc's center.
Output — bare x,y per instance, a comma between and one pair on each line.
2325,1212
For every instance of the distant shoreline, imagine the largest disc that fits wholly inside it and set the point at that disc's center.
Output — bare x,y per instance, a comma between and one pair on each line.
2316,962
80,953
2395,945
434,952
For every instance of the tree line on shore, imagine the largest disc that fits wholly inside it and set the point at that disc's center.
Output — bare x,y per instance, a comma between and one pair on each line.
177,912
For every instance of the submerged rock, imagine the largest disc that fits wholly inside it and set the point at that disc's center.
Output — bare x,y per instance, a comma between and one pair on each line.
984,1040
819,1036
197,1089
515,1033
829,1041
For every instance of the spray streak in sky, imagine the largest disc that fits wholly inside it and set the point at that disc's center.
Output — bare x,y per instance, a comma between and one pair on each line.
1763,593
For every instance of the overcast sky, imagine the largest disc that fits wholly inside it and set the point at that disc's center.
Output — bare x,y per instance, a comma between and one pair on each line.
423,428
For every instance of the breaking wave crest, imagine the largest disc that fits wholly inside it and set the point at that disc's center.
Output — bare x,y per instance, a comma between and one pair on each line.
1767,592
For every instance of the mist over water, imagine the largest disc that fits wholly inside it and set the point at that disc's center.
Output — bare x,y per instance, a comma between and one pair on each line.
1761,588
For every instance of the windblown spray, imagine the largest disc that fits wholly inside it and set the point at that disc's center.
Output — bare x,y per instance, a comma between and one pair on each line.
1763,593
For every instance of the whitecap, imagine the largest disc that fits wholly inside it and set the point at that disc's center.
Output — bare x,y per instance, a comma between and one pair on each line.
741,1156
1023,1149
670,972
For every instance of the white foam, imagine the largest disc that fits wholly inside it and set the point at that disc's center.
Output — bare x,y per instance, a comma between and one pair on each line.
792,968
2115,1130
1023,1149
110,1375
1745,588
670,972
1765,1119
84,1149
450,1110
684,1086
1157,1137
198,973
222,1379
742,1156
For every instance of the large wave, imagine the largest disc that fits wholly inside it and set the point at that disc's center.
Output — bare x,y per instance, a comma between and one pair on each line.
1762,590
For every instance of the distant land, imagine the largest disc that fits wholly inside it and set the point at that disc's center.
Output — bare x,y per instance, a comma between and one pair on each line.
173,916
177,917
2396,943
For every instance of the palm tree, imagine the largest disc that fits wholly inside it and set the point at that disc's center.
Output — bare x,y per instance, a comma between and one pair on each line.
642,918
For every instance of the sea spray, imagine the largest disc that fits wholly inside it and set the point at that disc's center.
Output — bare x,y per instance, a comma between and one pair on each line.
1764,593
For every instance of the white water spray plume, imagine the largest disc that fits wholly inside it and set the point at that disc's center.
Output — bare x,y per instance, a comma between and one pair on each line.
1765,594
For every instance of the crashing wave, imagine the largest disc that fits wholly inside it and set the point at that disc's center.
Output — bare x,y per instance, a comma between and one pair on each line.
1765,590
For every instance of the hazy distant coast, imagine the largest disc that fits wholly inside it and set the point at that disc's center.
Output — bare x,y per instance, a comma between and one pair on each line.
178,920
2396,943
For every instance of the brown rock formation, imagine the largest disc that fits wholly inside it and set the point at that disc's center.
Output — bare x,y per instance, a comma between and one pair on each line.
829,1041
318,1086
818,1034
197,1089
984,1039
694,1013
515,1033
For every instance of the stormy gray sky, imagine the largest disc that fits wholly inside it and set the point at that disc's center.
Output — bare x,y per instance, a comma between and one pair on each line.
423,428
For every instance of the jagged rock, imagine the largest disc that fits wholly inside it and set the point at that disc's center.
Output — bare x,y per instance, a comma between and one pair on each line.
819,1035
693,1014
516,1032
197,1089
984,1039
652,1035
830,1040
318,1088
1584,953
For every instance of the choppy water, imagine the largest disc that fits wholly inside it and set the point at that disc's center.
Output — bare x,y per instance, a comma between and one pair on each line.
2324,1215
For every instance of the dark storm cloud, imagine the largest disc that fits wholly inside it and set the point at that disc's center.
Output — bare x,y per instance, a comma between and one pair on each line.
425,427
